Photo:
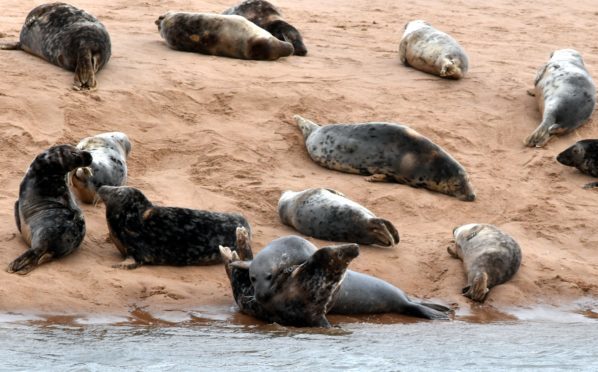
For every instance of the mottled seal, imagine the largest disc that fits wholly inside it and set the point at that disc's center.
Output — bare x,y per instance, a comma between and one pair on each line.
154,235
583,155
490,256
328,214
430,50
67,37
565,93
268,17
109,166
293,283
388,152
46,214
221,35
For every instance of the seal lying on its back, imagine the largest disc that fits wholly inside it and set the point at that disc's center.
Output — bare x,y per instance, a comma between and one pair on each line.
293,283
490,257
328,214
46,214
388,152
109,166
583,155
67,37
268,17
427,49
155,235
565,93
220,35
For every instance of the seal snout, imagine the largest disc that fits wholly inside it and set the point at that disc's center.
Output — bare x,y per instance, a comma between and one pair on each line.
87,158
348,252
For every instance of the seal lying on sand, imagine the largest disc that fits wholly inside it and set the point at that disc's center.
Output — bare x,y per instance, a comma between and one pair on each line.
293,283
427,49
565,93
490,257
155,235
583,155
220,35
328,214
268,17
109,166
388,152
46,214
67,37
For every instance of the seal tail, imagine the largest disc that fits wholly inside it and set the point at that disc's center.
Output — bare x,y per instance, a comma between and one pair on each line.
478,290
28,261
306,126
10,46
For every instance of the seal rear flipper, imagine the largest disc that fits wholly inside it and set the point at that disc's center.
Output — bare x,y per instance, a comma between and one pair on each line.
384,232
438,307
321,322
28,261
478,290
590,185
541,135
425,311
85,71
10,46
306,126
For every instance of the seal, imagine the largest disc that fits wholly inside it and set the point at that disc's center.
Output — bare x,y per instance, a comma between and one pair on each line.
146,234
328,214
566,96
46,214
268,17
220,35
109,166
293,283
490,256
583,155
67,37
387,152
430,50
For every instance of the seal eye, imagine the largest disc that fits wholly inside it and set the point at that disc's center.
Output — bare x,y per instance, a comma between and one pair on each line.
252,279
269,277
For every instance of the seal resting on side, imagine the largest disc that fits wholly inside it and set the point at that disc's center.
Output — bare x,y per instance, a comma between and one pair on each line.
565,93
388,152
153,235
328,214
46,214
583,155
268,17
67,37
293,283
490,257
109,166
220,35
430,50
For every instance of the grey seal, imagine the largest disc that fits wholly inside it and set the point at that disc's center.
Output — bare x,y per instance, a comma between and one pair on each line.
583,155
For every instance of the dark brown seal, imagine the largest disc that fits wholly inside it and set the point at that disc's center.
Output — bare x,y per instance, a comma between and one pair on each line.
583,155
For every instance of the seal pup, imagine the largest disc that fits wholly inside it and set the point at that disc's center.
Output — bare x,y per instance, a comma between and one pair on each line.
46,214
328,214
220,35
490,256
583,155
109,167
430,50
67,37
387,152
293,283
146,234
565,93
268,17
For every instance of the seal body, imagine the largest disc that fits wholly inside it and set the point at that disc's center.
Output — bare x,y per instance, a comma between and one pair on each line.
490,257
109,166
165,235
566,96
46,214
583,155
268,17
328,214
388,152
221,35
430,50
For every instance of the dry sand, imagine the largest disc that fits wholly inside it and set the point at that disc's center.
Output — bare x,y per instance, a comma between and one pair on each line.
217,133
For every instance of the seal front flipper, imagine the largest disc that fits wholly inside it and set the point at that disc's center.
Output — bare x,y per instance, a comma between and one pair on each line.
590,185
478,290
10,46
128,264
379,178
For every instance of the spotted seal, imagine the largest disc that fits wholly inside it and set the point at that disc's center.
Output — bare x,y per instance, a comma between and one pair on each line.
565,93
583,155
388,152
109,166
430,50
328,214
268,17
46,214
67,37
293,283
146,234
490,256
221,35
